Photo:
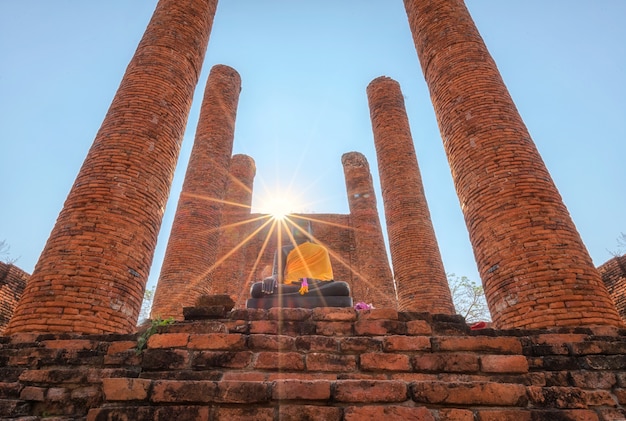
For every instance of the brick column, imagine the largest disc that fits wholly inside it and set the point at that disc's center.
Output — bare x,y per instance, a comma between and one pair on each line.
421,280
92,273
192,245
534,266
229,276
373,281
12,283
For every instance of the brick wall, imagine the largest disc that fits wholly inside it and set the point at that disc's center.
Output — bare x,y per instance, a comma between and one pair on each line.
330,364
12,284
418,269
92,272
534,266
613,275
192,246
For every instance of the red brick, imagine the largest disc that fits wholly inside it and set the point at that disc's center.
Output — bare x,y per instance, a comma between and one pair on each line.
495,394
309,412
330,362
504,364
503,345
225,341
242,392
504,415
123,389
406,343
181,391
370,391
32,393
377,413
378,314
242,414
333,328
279,361
418,327
272,342
377,327
67,344
449,362
386,362
456,415
301,389
264,326
168,340
333,314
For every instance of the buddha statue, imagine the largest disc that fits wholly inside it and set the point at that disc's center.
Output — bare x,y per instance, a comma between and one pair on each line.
302,276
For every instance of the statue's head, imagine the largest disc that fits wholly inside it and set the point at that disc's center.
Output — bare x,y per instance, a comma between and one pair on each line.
301,230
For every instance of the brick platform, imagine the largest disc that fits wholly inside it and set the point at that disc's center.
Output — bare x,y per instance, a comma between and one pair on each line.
331,364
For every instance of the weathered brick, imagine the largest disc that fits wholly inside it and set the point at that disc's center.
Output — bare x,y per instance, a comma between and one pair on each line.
418,327
334,314
387,362
242,414
279,361
309,412
503,364
121,389
474,393
32,393
504,415
447,362
370,391
316,343
333,328
330,362
556,397
210,359
168,340
360,344
217,341
456,415
504,345
301,389
379,327
406,343
376,413
178,391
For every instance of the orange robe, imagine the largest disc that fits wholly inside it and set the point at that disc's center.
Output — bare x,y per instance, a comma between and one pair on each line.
308,260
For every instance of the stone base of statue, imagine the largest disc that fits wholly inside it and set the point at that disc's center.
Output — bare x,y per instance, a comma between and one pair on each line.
321,294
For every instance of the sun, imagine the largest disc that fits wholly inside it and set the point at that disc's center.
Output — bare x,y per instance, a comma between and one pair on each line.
278,206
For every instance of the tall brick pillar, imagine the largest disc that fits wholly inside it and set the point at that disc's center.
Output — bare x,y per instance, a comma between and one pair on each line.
534,266
421,280
229,276
373,278
192,245
92,273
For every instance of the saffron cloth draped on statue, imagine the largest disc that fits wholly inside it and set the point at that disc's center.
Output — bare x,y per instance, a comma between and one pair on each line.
308,260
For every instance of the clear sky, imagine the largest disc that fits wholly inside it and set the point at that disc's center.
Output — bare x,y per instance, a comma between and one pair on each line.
304,67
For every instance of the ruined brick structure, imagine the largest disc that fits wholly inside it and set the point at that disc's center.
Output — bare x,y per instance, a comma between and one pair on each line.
12,284
418,269
331,364
374,278
534,266
193,243
93,270
561,356
232,269
613,275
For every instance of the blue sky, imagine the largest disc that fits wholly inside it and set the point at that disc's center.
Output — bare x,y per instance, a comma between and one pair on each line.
304,68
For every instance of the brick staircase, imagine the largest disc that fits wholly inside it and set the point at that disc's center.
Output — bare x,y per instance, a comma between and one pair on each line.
320,364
